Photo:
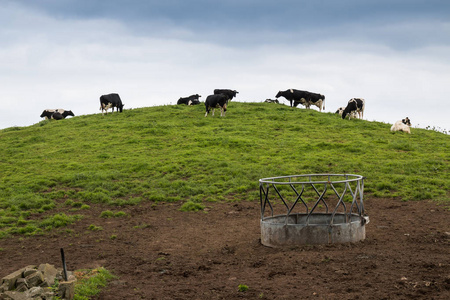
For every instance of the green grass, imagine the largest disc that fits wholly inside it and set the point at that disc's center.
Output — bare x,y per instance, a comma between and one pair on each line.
90,285
175,154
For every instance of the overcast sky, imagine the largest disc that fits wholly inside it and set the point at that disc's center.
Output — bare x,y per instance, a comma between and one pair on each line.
67,53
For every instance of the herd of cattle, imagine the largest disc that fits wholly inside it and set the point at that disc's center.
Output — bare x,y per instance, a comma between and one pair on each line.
221,97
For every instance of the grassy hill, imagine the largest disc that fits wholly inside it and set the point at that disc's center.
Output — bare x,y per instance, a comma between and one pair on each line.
174,153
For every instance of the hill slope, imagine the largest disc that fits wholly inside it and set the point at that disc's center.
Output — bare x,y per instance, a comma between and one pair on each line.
174,153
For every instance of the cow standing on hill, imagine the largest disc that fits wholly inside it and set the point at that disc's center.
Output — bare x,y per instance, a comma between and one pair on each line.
213,101
111,101
316,99
340,111
295,97
229,93
354,105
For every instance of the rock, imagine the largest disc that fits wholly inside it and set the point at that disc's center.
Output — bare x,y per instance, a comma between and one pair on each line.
10,280
35,292
49,272
21,285
35,279
33,283
66,289
29,270
11,295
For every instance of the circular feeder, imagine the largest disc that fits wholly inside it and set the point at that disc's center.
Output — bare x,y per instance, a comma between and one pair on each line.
331,209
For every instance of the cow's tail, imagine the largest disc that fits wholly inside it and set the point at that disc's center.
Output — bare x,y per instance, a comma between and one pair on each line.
323,104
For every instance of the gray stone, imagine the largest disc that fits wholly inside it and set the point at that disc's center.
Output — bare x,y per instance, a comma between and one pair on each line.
66,289
3,287
49,272
10,279
28,271
11,295
21,285
35,292
35,279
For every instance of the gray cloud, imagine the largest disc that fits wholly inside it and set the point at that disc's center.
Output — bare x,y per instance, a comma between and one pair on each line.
68,57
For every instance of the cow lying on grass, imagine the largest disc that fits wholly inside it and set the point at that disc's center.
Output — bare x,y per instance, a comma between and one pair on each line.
191,100
403,125
56,114
272,101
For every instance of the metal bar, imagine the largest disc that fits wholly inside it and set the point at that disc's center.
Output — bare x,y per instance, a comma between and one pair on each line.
64,264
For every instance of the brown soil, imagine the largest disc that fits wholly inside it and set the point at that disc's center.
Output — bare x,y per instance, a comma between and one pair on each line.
162,253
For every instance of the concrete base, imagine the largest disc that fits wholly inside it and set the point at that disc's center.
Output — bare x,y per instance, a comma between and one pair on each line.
275,232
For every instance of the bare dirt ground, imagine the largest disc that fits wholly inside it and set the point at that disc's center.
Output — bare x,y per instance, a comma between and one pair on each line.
159,252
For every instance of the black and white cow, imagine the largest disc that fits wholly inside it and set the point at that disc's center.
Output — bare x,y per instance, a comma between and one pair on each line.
214,101
295,97
272,101
403,125
51,115
229,93
111,101
340,111
317,100
191,100
63,112
354,105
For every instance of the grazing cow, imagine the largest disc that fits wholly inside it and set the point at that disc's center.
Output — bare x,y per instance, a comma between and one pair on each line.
63,112
317,100
272,101
341,110
355,105
294,96
111,101
191,100
52,115
213,101
229,93
402,125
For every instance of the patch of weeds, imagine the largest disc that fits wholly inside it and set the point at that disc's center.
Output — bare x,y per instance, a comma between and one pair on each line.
58,220
90,282
110,214
242,288
192,206
106,214
142,226
113,237
92,227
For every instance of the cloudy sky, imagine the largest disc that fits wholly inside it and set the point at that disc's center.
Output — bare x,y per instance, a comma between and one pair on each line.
66,53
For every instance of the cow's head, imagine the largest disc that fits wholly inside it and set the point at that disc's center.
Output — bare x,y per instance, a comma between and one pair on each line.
406,121
279,94
69,113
